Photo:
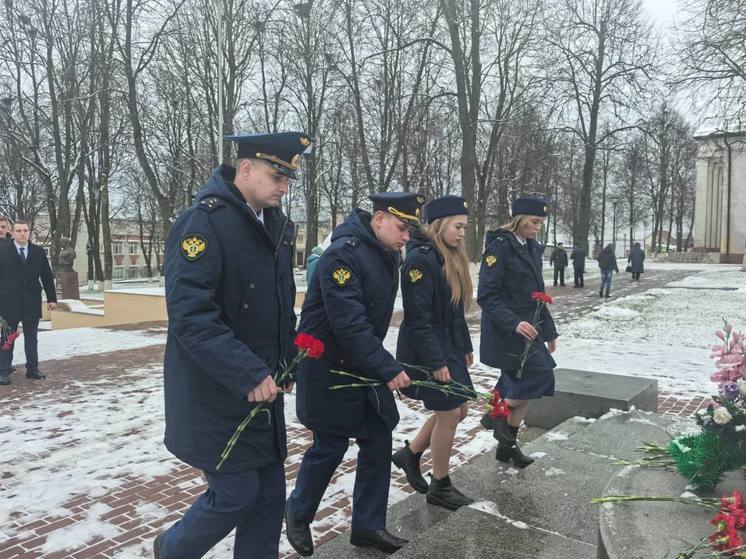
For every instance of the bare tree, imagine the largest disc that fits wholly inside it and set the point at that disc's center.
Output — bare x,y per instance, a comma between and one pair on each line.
606,56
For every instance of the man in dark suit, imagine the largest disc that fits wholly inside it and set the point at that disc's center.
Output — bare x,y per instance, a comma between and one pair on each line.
24,268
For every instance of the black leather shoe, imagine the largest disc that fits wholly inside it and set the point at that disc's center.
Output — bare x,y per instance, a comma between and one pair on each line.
4,379
299,535
379,539
36,375
444,494
504,452
157,546
408,461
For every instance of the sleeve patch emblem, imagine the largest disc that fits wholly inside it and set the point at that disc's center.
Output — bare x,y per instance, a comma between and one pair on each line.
491,260
193,246
341,275
415,275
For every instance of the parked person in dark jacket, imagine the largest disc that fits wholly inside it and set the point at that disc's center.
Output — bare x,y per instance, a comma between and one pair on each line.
436,288
24,270
558,259
349,306
636,261
607,264
510,272
578,265
230,293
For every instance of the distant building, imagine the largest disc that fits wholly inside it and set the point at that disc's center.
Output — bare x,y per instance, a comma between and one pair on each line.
719,224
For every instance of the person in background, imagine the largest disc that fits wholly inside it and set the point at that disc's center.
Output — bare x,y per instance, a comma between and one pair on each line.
559,261
316,253
5,234
636,261
578,265
607,264
24,270
436,288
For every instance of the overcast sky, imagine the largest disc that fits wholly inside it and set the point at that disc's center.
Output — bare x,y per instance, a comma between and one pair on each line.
662,11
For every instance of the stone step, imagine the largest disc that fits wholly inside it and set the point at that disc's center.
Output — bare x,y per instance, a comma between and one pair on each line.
591,394
542,511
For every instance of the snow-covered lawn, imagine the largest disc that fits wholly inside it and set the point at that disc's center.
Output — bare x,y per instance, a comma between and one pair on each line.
63,344
665,333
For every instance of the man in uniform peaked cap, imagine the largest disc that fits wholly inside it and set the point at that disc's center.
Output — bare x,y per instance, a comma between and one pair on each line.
230,294
348,306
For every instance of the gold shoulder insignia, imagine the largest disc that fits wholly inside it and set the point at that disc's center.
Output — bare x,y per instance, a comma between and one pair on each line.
415,275
193,246
341,275
490,260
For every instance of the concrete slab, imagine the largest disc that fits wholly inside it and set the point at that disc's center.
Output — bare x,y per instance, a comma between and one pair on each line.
633,530
474,534
619,435
552,494
591,394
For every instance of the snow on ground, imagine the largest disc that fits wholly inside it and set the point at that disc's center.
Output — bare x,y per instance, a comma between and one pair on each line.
63,344
664,333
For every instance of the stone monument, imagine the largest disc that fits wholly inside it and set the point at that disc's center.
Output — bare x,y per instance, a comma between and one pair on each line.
66,276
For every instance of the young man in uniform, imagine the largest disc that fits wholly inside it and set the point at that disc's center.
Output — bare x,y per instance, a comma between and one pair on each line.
230,294
349,306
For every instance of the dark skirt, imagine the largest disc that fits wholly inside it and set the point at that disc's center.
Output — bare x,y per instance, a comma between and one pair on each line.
433,399
533,385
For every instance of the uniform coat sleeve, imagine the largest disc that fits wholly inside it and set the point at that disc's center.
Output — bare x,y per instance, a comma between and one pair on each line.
417,296
195,316
345,309
491,278
47,279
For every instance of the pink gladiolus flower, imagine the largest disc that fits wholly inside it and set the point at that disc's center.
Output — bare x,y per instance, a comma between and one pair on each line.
718,377
728,328
719,334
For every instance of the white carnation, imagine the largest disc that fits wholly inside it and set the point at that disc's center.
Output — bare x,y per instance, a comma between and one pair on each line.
721,416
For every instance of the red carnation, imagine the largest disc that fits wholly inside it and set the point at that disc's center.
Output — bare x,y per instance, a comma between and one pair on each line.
542,297
10,340
500,407
313,347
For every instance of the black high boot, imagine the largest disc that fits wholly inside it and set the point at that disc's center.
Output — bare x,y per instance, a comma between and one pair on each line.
408,461
503,432
444,494
607,294
601,292
488,422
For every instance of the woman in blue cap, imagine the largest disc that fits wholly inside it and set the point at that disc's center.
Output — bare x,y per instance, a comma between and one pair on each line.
436,288
509,274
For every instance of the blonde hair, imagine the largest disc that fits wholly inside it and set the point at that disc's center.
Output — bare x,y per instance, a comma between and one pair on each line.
517,222
455,262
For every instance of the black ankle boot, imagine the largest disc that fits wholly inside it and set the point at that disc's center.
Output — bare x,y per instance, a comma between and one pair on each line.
408,461
607,294
503,432
520,460
504,452
601,292
444,494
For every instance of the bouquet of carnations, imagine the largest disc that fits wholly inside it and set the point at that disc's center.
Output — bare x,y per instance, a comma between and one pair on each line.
8,336
703,458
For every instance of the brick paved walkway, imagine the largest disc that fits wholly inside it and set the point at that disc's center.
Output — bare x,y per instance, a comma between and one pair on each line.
131,488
